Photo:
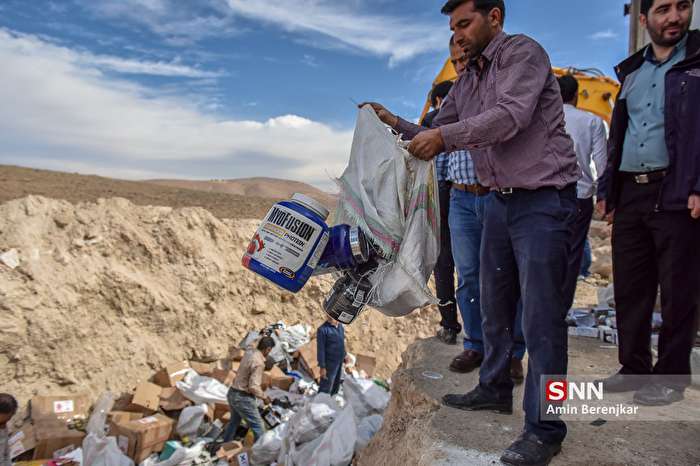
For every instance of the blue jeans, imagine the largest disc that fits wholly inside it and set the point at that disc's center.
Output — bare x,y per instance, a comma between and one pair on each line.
331,384
587,259
243,407
466,224
525,256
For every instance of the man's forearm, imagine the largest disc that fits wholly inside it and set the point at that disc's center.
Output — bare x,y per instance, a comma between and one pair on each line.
407,129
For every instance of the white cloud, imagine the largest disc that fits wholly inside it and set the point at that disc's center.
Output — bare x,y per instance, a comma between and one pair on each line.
58,107
179,23
158,68
602,35
399,39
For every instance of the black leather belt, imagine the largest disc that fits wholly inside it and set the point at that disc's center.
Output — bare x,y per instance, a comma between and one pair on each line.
242,393
644,178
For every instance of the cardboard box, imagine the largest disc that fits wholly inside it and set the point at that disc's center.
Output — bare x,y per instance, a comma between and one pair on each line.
236,353
201,368
172,400
279,379
22,440
147,397
51,439
171,374
235,454
308,358
140,438
122,417
366,363
224,376
220,410
57,410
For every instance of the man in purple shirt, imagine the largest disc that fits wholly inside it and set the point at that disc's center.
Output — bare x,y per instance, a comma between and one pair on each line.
508,112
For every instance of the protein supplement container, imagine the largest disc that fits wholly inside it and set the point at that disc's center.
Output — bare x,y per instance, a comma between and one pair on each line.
289,242
347,248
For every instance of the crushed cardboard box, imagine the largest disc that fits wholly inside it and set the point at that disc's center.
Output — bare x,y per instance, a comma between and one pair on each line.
22,440
235,454
58,410
308,358
122,417
171,374
201,368
52,438
367,363
279,379
147,397
140,438
171,399
224,376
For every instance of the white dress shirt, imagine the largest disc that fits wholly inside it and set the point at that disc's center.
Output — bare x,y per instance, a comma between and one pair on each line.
590,144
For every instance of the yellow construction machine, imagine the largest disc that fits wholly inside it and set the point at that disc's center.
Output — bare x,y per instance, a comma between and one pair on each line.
597,92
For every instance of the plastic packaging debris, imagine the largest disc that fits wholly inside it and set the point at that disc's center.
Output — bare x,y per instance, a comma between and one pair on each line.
294,337
366,429
98,449
581,318
350,294
182,457
202,390
10,258
267,448
393,198
335,447
310,422
432,375
606,296
190,420
365,397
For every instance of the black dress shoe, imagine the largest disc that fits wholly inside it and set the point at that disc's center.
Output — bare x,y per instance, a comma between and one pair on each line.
657,395
479,400
619,383
447,335
528,450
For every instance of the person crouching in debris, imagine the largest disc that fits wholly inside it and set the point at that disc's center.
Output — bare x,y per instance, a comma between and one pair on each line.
8,408
246,388
330,341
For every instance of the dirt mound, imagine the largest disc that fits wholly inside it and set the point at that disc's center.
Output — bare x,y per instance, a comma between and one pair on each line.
107,292
256,187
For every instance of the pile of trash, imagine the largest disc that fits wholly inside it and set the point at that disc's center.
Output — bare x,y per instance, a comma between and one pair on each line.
600,321
178,418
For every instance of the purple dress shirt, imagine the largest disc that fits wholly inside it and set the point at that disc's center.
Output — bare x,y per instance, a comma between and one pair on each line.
509,115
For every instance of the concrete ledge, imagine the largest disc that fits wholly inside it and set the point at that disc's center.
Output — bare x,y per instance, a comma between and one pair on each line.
418,430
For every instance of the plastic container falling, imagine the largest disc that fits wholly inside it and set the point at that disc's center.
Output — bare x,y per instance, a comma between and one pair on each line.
289,242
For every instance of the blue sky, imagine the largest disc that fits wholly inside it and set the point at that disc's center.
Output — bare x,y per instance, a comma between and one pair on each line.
238,88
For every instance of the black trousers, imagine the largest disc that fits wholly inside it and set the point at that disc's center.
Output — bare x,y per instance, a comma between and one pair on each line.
445,267
651,249
579,233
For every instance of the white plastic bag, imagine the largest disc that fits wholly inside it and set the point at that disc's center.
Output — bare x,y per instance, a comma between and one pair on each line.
202,390
335,448
190,420
267,448
394,198
294,337
310,422
98,449
365,397
366,429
